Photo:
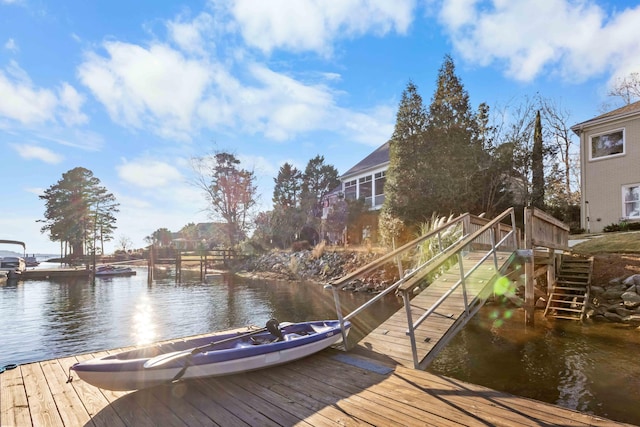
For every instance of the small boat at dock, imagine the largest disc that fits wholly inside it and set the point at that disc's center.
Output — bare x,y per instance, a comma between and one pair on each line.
211,355
111,271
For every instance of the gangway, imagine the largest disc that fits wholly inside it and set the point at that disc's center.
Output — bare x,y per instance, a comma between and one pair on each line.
470,259
469,254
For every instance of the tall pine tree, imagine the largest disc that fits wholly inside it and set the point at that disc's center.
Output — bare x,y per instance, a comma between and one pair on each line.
79,211
288,184
455,158
404,183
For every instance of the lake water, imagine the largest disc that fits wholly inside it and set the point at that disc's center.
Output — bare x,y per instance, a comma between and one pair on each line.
591,368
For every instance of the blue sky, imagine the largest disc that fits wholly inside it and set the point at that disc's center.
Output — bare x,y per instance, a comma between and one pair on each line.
133,90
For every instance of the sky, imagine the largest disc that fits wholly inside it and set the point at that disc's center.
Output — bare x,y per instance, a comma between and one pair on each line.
134,90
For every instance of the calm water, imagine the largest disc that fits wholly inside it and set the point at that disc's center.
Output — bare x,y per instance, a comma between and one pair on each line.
592,368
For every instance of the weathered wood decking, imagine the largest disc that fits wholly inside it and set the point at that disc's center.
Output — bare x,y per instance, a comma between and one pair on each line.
390,339
327,389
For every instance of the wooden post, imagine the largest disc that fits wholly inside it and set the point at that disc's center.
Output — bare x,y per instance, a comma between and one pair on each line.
551,271
529,295
178,266
150,265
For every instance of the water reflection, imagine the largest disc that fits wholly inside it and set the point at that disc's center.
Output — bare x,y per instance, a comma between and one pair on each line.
144,326
591,368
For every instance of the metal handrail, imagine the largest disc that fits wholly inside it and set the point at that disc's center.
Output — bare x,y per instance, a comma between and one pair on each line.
463,275
342,282
457,250
470,238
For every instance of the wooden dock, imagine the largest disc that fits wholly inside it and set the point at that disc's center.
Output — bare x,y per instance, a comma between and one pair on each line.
390,338
331,388
54,273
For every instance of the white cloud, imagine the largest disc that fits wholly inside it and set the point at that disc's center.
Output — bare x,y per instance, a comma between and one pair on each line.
30,152
71,102
190,36
149,173
76,138
576,39
11,45
155,87
21,100
313,25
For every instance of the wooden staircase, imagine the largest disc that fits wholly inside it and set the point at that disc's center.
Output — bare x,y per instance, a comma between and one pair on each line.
569,295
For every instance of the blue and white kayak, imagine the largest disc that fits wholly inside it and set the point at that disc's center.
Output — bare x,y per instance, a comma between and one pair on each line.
212,355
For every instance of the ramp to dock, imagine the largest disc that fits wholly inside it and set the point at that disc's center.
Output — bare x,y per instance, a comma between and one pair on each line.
391,339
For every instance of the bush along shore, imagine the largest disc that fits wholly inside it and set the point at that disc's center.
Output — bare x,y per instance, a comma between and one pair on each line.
316,266
616,301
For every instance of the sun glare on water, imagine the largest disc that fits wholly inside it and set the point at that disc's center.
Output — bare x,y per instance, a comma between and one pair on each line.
143,327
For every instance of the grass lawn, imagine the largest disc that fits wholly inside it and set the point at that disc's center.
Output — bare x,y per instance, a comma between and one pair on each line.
620,242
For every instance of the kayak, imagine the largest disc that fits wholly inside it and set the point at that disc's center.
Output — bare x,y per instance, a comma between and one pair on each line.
212,355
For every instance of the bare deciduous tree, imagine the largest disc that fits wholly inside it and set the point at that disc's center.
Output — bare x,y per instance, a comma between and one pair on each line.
627,88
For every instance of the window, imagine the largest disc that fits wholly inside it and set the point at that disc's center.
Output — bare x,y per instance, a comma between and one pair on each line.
631,201
350,190
607,144
366,188
380,178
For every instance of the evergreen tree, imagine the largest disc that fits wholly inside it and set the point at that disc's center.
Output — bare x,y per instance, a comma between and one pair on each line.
404,187
318,180
455,156
537,166
288,184
78,211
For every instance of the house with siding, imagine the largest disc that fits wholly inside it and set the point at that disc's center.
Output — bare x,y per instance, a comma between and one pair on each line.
366,179
363,181
610,167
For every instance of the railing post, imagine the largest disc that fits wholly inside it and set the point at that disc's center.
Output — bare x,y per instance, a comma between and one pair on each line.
463,284
529,296
410,329
514,230
492,237
336,300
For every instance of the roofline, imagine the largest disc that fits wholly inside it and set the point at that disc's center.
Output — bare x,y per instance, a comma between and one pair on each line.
14,242
363,171
578,128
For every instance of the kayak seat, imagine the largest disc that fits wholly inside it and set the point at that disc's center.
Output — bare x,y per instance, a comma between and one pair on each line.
290,337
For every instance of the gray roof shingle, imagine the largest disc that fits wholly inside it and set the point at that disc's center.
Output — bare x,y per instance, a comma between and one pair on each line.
379,157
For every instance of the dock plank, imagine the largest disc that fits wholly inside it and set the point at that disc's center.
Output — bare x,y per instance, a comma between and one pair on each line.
14,407
67,401
92,399
41,402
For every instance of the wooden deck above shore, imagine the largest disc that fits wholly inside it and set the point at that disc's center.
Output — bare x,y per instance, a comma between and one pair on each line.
331,388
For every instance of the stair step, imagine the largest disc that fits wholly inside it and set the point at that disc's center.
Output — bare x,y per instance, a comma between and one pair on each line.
562,309
566,317
562,286
572,277
573,282
565,301
565,304
571,289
